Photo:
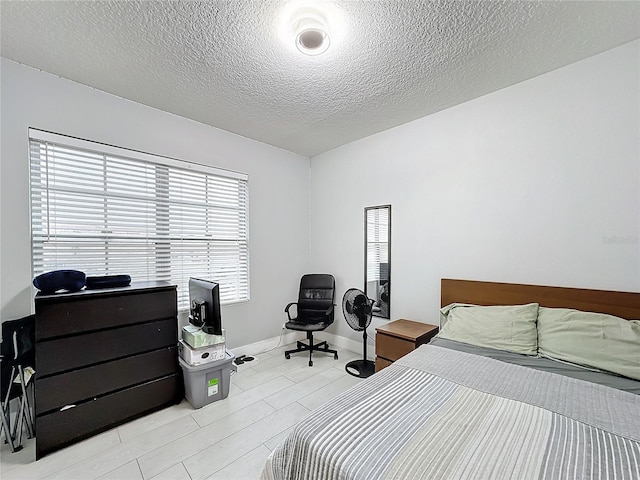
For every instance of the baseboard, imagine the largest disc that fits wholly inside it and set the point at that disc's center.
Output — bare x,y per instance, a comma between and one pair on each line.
345,343
337,341
269,344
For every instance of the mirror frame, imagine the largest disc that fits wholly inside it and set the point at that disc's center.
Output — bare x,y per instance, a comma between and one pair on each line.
366,245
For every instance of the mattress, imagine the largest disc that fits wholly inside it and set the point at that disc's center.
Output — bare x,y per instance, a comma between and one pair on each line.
443,413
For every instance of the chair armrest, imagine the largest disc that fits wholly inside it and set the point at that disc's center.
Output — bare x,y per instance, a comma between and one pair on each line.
286,309
329,315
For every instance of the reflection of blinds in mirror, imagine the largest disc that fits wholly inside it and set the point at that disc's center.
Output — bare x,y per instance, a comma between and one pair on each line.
378,244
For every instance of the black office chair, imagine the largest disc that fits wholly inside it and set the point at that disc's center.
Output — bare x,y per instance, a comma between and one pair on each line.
315,312
17,353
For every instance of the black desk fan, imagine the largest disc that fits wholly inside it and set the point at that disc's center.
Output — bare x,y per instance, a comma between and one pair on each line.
356,308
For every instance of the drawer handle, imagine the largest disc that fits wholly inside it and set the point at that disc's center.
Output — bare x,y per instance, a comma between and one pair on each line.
67,407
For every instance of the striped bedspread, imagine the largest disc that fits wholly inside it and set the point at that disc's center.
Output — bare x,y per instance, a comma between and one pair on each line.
443,414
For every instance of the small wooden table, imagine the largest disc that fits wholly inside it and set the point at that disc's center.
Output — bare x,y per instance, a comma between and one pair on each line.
400,337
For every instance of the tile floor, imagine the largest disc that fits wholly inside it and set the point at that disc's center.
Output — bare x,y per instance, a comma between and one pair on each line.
228,439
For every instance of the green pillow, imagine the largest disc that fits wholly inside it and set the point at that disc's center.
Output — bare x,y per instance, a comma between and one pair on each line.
592,339
505,327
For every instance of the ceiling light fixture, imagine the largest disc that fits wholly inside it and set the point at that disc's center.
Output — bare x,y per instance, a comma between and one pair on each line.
312,36
311,26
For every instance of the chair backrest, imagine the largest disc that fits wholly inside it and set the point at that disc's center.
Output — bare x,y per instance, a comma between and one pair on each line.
18,339
17,348
317,291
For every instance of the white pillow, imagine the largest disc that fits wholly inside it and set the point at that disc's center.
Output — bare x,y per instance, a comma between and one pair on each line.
593,339
504,327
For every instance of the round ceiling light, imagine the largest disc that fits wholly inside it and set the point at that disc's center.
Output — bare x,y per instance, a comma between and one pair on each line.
312,41
311,27
312,36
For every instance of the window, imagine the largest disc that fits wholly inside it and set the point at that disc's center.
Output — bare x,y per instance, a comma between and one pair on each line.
107,211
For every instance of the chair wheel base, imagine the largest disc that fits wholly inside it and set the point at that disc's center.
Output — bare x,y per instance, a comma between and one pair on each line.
322,347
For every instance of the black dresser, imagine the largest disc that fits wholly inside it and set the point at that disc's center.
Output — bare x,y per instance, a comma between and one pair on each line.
103,357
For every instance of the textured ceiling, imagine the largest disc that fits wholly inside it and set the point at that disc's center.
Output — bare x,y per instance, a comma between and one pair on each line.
226,63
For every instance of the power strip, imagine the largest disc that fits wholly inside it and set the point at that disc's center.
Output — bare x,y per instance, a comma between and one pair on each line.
246,361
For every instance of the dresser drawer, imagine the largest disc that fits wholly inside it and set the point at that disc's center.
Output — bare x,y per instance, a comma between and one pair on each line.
59,429
85,313
382,363
73,387
392,348
62,354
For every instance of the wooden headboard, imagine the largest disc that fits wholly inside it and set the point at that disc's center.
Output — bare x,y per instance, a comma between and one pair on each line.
621,304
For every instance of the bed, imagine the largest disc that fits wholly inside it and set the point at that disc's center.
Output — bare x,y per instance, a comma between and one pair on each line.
457,410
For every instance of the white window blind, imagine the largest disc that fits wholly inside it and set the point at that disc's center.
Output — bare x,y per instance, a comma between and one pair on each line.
107,211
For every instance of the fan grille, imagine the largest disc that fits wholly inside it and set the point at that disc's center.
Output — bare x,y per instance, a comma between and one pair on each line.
356,308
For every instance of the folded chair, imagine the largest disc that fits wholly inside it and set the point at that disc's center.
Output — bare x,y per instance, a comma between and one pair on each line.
17,353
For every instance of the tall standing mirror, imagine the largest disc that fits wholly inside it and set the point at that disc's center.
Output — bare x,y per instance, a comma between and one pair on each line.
377,265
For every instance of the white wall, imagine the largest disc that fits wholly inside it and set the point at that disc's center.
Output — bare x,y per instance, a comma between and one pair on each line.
278,187
536,183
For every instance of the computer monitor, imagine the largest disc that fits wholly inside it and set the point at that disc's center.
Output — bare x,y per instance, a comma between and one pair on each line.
204,300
